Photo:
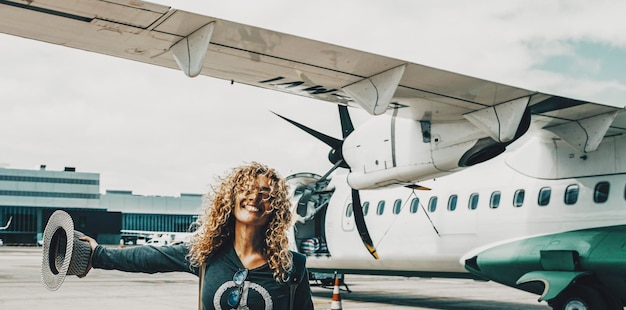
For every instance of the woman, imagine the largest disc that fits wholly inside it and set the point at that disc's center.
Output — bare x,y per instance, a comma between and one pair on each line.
241,244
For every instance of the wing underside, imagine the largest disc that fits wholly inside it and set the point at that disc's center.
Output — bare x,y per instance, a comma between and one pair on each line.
147,33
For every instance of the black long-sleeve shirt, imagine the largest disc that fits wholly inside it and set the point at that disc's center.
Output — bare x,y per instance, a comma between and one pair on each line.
260,290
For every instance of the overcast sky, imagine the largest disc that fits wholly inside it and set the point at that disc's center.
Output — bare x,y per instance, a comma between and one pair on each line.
156,132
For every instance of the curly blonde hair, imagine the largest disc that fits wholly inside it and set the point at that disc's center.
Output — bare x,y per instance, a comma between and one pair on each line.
216,225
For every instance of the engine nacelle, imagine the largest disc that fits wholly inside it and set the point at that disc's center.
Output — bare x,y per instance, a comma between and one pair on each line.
388,151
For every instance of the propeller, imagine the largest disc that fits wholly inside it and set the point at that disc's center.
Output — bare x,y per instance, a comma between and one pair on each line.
336,157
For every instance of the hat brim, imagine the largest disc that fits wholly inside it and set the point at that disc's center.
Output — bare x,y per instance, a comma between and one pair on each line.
58,244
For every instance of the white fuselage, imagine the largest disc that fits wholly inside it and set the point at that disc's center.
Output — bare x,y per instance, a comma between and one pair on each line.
408,243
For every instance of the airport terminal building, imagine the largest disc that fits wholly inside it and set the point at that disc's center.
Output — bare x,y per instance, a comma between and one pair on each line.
29,197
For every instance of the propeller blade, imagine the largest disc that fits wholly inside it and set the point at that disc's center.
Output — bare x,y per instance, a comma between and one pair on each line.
359,220
346,123
330,141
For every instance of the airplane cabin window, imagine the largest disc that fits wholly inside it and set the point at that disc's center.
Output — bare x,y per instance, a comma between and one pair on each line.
601,192
544,196
518,198
349,210
415,205
452,202
381,207
494,201
397,206
366,207
571,194
432,204
473,201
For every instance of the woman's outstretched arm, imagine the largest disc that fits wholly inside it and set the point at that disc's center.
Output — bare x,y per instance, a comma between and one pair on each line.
146,259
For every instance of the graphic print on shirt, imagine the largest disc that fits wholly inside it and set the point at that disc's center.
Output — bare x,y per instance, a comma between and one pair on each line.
243,303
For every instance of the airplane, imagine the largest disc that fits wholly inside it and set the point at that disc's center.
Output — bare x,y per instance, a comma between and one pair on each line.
5,227
452,176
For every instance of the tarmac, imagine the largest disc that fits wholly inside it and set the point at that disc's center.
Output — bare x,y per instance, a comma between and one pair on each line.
21,288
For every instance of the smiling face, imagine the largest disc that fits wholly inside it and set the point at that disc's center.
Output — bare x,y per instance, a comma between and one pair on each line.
252,204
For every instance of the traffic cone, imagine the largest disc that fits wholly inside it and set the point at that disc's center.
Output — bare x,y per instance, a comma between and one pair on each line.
336,303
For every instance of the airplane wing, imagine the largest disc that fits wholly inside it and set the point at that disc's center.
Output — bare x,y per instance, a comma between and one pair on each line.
198,44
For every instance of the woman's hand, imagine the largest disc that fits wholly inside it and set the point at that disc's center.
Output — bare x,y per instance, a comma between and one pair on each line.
93,244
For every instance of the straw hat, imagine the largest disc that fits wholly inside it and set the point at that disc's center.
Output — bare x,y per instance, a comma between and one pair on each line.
63,253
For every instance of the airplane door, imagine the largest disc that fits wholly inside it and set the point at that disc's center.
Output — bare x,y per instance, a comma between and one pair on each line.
347,218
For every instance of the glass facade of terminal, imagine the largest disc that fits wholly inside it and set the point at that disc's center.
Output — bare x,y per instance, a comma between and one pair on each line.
157,222
29,197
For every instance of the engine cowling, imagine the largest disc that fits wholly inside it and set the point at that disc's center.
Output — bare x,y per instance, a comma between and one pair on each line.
388,151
